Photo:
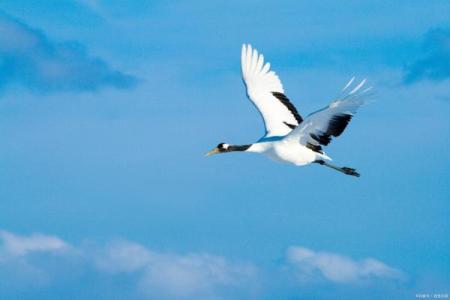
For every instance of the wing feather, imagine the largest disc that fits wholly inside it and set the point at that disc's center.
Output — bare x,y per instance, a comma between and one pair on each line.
319,127
261,84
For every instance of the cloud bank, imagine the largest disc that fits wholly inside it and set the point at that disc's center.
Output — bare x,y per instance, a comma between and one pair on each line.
16,245
337,268
29,58
435,62
174,276
154,274
43,260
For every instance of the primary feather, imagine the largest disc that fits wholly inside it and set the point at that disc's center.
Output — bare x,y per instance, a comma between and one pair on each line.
265,91
319,127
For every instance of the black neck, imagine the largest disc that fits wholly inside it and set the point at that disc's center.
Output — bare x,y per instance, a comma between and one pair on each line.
238,147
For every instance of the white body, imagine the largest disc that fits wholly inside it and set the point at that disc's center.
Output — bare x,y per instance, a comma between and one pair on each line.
287,151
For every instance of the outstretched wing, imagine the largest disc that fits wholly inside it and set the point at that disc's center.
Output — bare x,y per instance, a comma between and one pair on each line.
265,90
319,127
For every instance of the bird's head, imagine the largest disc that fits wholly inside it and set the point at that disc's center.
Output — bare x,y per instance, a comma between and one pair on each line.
221,148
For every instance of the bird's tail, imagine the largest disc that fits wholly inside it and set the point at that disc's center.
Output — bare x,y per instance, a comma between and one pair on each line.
345,170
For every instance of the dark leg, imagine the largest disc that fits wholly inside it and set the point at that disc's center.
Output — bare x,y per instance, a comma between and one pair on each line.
345,170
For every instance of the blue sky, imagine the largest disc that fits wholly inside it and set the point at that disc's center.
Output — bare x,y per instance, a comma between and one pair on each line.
106,109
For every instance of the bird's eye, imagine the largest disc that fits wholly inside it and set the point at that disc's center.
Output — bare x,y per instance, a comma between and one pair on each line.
220,146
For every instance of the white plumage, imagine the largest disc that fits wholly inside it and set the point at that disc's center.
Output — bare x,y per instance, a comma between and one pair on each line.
290,138
261,83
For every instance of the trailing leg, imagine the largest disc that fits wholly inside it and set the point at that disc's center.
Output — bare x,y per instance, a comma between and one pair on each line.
345,170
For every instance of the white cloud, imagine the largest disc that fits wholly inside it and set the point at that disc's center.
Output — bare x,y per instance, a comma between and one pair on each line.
16,245
33,260
39,260
43,259
338,268
123,257
175,276
194,275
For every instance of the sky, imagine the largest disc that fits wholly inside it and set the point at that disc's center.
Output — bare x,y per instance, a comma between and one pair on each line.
106,110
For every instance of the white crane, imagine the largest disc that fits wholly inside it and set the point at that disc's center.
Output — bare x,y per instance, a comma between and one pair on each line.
289,138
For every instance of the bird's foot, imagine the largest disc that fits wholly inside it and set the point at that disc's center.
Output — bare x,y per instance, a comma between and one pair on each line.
350,171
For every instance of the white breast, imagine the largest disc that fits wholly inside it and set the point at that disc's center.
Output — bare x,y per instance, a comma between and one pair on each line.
289,152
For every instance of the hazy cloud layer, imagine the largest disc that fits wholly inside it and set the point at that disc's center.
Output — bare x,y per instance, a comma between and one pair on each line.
337,268
33,260
16,245
435,62
174,276
39,259
29,58
154,274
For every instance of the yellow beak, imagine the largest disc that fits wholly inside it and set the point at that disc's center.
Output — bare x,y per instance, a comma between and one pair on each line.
213,151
